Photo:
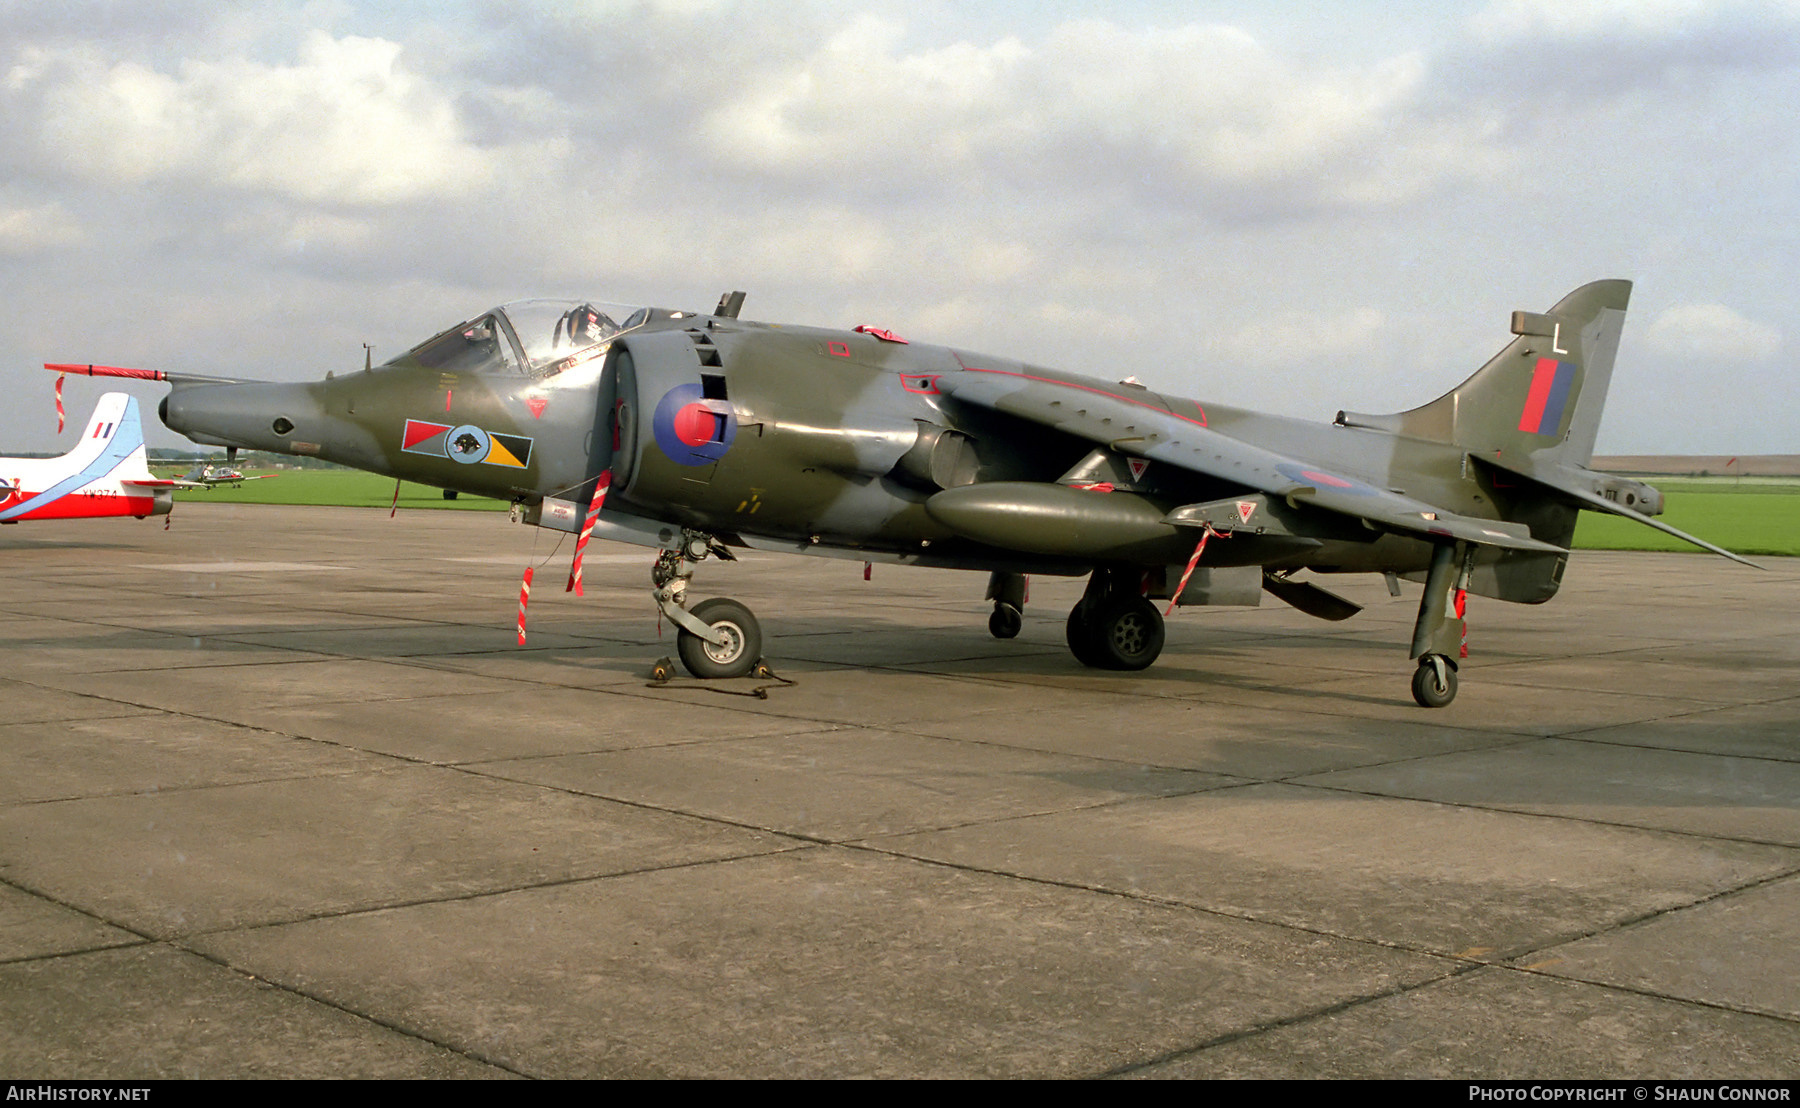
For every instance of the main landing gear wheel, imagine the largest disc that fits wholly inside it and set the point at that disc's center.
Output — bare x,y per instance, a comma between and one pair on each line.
1080,637
1434,683
1122,633
1005,622
742,647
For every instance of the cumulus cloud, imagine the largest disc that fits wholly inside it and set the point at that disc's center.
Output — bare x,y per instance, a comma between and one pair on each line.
1198,117
1219,211
1295,336
1714,332
1506,20
42,227
345,122
1553,51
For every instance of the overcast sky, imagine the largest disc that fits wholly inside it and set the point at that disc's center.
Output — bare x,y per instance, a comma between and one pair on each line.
1291,207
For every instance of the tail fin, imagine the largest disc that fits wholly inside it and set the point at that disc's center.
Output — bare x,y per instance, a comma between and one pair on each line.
1540,398
105,466
1533,412
114,428
113,444
1533,409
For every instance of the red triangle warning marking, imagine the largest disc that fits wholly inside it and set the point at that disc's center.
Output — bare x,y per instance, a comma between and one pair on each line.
536,404
1138,466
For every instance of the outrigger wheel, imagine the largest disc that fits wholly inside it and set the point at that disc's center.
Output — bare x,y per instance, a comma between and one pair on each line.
1434,682
1438,632
1007,591
736,656
1006,621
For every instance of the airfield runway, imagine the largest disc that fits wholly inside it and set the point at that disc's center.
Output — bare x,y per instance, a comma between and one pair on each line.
281,797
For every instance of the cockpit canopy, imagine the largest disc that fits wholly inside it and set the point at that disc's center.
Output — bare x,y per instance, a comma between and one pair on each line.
538,338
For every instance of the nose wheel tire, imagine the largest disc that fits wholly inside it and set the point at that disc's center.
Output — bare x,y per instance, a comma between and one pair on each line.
1434,685
736,656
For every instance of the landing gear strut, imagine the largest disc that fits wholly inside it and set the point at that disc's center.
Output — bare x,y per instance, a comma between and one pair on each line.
717,637
1437,636
1113,626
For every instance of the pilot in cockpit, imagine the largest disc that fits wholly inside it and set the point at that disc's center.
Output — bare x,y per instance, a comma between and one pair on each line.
585,326
478,349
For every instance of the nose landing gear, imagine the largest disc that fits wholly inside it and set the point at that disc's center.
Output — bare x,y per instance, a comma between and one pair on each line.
739,648
717,637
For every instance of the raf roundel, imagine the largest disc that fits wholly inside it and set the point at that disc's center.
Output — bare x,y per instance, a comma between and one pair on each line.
1306,476
692,429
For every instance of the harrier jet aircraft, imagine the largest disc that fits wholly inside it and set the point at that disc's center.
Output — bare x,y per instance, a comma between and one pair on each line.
105,475
696,433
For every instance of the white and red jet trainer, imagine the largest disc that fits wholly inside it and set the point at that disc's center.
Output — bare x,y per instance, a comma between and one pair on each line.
106,474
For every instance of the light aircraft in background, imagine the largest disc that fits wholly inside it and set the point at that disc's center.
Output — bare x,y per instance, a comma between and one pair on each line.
204,476
106,474
695,432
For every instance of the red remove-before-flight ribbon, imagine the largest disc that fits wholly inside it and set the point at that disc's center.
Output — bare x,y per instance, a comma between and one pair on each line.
524,597
587,529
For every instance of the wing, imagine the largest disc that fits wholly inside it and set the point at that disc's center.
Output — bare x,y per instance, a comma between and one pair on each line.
1137,427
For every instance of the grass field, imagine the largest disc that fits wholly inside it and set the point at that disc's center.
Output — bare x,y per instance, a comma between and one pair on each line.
1748,515
343,487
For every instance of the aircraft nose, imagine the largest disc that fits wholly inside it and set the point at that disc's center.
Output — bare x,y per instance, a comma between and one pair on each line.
285,419
254,416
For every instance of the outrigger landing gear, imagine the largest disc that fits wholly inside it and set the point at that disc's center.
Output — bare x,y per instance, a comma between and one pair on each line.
1434,682
718,637
1113,626
1007,591
1437,636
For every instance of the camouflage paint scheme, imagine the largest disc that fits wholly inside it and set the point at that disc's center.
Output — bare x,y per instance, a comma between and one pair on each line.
709,432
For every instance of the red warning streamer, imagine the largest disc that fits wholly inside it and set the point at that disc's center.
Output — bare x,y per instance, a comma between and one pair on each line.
1192,562
59,406
1462,606
106,371
524,597
587,529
